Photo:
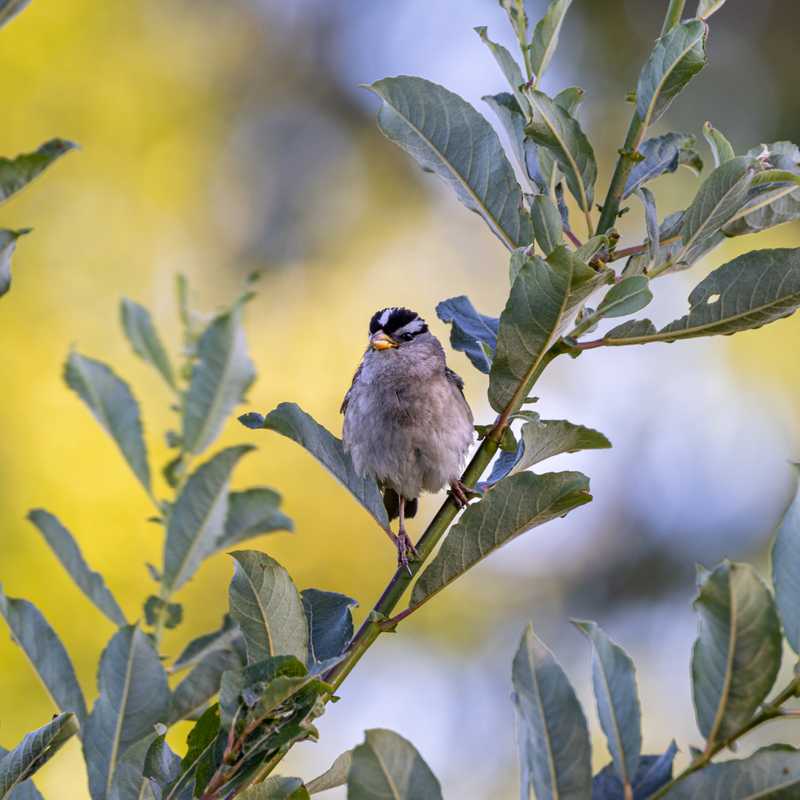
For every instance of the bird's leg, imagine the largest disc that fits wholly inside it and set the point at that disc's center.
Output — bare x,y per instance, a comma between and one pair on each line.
404,543
461,494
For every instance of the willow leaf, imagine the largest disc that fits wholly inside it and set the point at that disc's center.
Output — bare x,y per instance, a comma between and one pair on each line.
133,697
555,129
291,421
752,290
512,506
388,766
140,329
614,681
448,137
737,653
46,653
34,750
529,325
545,36
676,58
221,376
197,520
66,550
17,173
786,569
267,607
553,740
113,405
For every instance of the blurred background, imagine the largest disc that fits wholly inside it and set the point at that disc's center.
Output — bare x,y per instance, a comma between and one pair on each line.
222,138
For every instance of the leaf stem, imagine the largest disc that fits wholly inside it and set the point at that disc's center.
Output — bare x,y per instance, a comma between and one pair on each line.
633,139
768,712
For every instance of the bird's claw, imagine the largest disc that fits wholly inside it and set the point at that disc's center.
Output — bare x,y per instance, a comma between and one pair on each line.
404,547
461,494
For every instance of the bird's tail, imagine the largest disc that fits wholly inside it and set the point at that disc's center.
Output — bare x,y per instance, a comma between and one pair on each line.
391,502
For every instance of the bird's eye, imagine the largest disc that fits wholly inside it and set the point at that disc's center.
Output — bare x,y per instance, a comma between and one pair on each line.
406,337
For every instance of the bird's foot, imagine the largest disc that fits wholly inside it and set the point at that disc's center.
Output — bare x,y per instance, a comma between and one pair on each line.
405,547
462,494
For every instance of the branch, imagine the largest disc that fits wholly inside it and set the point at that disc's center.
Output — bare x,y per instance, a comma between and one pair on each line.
768,712
633,139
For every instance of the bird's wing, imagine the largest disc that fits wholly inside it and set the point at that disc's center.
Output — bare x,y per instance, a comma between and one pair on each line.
455,379
343,407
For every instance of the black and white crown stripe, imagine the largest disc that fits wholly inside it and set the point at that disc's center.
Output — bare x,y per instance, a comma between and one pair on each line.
397,321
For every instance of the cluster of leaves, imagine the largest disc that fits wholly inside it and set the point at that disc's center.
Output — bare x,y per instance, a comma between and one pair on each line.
280,654
735,662
18,172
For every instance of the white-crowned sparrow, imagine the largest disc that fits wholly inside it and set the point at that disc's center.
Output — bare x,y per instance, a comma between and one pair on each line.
406,422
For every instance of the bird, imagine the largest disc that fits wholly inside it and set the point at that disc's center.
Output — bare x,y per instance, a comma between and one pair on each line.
407,423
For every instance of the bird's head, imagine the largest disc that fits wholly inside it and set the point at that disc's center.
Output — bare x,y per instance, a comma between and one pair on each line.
396,328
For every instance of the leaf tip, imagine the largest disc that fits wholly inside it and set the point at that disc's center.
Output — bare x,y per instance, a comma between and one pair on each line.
253,420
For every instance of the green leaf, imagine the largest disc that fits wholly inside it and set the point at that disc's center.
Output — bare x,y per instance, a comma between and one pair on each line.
470,330
250,513
529,325
546,223
507,64
705,8
659,156
388,766
543,439
35,750
251,681
276,787
161,766
16,173
737,653
447,136
512,506
8,244
335,775
202,755
507,110
628,296
614,681
197,519
676,58
221,376
750,291
145,341
113,405
768,773
651,221
46,653
555,129
553,740
23,791
291,421
133,698
721,149
198,649
10,8
653,773
129,782
545,36
68,553
722,195
267,607
193,694
330,626
786,568
771,204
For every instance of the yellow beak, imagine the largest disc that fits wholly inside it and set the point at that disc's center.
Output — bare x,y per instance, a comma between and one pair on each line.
382,341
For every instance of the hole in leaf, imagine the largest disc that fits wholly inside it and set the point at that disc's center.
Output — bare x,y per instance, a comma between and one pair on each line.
712,298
